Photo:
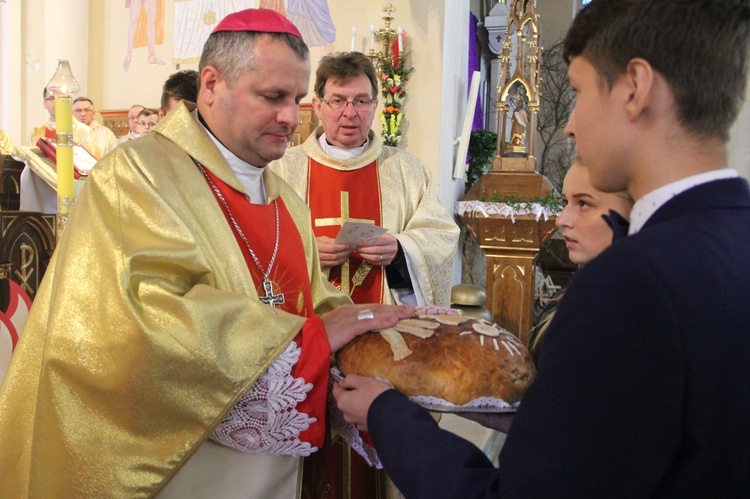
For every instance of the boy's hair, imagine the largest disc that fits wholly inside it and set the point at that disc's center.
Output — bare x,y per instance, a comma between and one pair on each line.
148,112
344,67
699,46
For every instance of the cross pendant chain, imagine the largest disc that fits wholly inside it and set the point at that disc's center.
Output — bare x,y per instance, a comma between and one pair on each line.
269,298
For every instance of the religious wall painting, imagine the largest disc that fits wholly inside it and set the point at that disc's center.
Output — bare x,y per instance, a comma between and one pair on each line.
313,20
195,19
145,29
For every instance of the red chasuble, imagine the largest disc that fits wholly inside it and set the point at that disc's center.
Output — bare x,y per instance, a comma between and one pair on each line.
291,279
334,197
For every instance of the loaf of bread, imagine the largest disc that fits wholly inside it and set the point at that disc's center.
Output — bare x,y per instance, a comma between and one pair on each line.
451,357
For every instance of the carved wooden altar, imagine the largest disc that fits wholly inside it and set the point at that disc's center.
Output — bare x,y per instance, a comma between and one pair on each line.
10,183
27,240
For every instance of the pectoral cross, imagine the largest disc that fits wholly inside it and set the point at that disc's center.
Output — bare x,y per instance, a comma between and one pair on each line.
326,222
269,298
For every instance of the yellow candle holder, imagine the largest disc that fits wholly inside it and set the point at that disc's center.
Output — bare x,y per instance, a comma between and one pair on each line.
63,86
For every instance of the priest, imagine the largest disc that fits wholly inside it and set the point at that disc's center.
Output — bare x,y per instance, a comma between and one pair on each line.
345,173
181,339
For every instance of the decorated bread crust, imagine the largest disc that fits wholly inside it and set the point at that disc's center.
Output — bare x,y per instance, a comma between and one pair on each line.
456,362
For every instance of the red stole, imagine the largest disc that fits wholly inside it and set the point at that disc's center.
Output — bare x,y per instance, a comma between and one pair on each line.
334,197
291,278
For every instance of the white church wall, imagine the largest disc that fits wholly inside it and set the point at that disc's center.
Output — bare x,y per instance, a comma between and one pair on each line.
50,30
10,75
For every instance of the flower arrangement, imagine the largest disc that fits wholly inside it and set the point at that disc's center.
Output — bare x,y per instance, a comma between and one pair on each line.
393,77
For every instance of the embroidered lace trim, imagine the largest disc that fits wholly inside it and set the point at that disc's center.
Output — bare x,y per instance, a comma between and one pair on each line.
265,419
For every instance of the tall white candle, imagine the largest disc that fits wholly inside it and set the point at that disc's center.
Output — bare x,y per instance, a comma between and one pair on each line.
354,38
372,37
400,32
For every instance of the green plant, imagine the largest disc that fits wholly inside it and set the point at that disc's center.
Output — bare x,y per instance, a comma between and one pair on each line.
393,77
482,147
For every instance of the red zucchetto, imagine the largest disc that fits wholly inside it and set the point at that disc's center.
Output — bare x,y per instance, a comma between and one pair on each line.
260,20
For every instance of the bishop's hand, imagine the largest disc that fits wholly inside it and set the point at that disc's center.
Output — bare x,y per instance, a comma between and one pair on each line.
346,322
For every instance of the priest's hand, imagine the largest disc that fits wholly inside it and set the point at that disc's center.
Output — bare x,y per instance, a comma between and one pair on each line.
346,322
378,250
331,252
354,396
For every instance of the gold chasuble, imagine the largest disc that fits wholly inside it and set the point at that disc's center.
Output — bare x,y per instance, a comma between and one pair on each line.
147,328
359,201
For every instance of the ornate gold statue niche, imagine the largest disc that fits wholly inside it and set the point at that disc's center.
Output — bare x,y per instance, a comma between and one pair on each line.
518,89
512,237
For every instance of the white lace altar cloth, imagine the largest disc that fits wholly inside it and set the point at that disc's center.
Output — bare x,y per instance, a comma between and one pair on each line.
506,210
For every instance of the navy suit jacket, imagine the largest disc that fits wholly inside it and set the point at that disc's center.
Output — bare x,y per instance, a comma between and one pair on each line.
643,386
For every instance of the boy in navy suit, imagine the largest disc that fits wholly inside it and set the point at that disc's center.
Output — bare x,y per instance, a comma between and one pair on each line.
643,386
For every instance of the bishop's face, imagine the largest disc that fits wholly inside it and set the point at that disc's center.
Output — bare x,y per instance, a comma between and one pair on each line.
254,116
347,126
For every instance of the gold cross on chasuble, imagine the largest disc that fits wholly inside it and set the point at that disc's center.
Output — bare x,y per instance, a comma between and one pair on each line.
364,267
324,222
339,196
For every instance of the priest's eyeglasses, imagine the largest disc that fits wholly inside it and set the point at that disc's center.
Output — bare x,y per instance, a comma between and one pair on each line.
359,103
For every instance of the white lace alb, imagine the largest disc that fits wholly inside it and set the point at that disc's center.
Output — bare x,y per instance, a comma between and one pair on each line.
265,419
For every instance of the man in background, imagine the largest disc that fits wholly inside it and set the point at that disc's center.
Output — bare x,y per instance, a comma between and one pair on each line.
344,172
182,85
132,124
102,138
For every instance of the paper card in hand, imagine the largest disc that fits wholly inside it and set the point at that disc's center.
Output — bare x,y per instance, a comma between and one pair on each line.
352,233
